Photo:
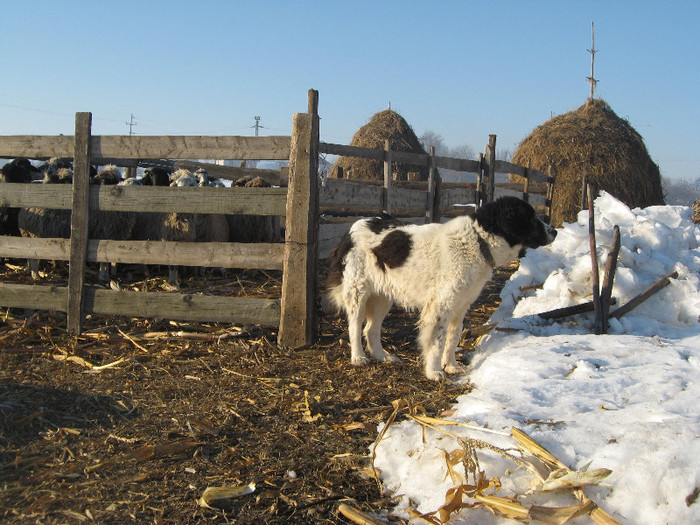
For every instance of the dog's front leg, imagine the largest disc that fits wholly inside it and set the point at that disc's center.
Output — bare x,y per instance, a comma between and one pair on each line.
449,361
432,329
355,318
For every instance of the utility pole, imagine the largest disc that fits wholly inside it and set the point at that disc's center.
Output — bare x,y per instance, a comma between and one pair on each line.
131,125
257,125
592,80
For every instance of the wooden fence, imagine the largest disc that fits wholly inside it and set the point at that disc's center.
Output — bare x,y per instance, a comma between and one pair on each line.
304,203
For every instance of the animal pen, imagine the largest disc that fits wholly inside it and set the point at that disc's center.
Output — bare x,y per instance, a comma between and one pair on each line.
316,214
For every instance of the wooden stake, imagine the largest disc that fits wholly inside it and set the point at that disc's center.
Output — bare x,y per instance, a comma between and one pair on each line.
610,267
598,327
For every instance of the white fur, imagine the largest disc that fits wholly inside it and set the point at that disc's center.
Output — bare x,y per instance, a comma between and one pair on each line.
442,276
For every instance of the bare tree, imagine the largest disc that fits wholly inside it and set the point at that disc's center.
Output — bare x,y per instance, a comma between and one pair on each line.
430,138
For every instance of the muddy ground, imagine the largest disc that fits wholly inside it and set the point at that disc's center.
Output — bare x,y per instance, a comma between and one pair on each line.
131,421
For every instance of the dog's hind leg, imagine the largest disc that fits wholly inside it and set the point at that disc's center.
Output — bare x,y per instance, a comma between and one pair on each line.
375,311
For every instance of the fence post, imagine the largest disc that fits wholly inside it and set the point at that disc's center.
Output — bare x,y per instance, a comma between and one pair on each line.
491,165
298,312
526,184
550,192
433,204
387,177
79,221
480,182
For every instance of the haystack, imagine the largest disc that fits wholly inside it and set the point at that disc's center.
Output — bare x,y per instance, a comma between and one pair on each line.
696,215
594,142
385,125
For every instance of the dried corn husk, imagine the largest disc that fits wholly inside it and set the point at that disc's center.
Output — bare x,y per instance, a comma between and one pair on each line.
216,495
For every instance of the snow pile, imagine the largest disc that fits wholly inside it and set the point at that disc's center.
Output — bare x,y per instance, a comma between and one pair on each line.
627,401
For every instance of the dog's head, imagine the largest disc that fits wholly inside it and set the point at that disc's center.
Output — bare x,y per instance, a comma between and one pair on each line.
516,221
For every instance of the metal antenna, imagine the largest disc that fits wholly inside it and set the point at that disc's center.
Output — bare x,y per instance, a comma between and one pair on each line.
592,80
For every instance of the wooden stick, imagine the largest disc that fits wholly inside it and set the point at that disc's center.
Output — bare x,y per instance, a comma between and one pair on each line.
594,263
571,310
610,267
636,301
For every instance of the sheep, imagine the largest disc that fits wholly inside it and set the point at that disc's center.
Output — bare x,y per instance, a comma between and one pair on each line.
254,228
45,222
155,176
109,225
15,171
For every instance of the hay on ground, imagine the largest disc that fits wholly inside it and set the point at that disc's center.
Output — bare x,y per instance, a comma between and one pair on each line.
594,142
385,125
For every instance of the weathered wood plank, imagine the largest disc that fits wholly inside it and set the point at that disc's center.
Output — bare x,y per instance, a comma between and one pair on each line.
416,159
534,175
414,200
184,307
450,197
188,147
259,256
79,221
246,201
36,146
450,163
33,195
337,193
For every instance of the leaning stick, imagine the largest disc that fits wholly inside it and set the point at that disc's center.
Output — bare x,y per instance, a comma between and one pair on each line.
594,263
636,301
571,310
610,266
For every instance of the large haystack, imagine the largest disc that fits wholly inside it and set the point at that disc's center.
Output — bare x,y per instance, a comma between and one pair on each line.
595,142
382,126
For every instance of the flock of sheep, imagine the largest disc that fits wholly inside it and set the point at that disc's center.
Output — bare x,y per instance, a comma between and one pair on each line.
144,226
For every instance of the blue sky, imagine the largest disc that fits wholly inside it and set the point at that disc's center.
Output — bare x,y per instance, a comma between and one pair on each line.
462,70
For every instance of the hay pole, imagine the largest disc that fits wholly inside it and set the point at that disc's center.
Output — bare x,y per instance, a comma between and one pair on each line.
598,327
610,267
639,299
386,203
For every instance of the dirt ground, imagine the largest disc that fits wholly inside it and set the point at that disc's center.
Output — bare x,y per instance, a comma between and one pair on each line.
131,421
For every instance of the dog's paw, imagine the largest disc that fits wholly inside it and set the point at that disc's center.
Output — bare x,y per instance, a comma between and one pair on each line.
455,369
360,361
390,358
436,375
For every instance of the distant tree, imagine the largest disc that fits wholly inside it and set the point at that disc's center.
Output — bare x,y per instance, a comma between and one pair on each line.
465,151
430,138
682,192
504,154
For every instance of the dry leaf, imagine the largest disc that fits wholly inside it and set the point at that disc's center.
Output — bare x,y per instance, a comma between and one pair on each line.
213,495
574,479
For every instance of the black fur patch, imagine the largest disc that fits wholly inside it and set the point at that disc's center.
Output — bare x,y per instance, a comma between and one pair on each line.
383,222
337,264
393,250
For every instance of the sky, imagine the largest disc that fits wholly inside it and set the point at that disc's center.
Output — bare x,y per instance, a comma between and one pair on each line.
626,402
460,69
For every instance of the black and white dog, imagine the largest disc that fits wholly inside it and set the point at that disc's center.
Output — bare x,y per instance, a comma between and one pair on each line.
438,268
